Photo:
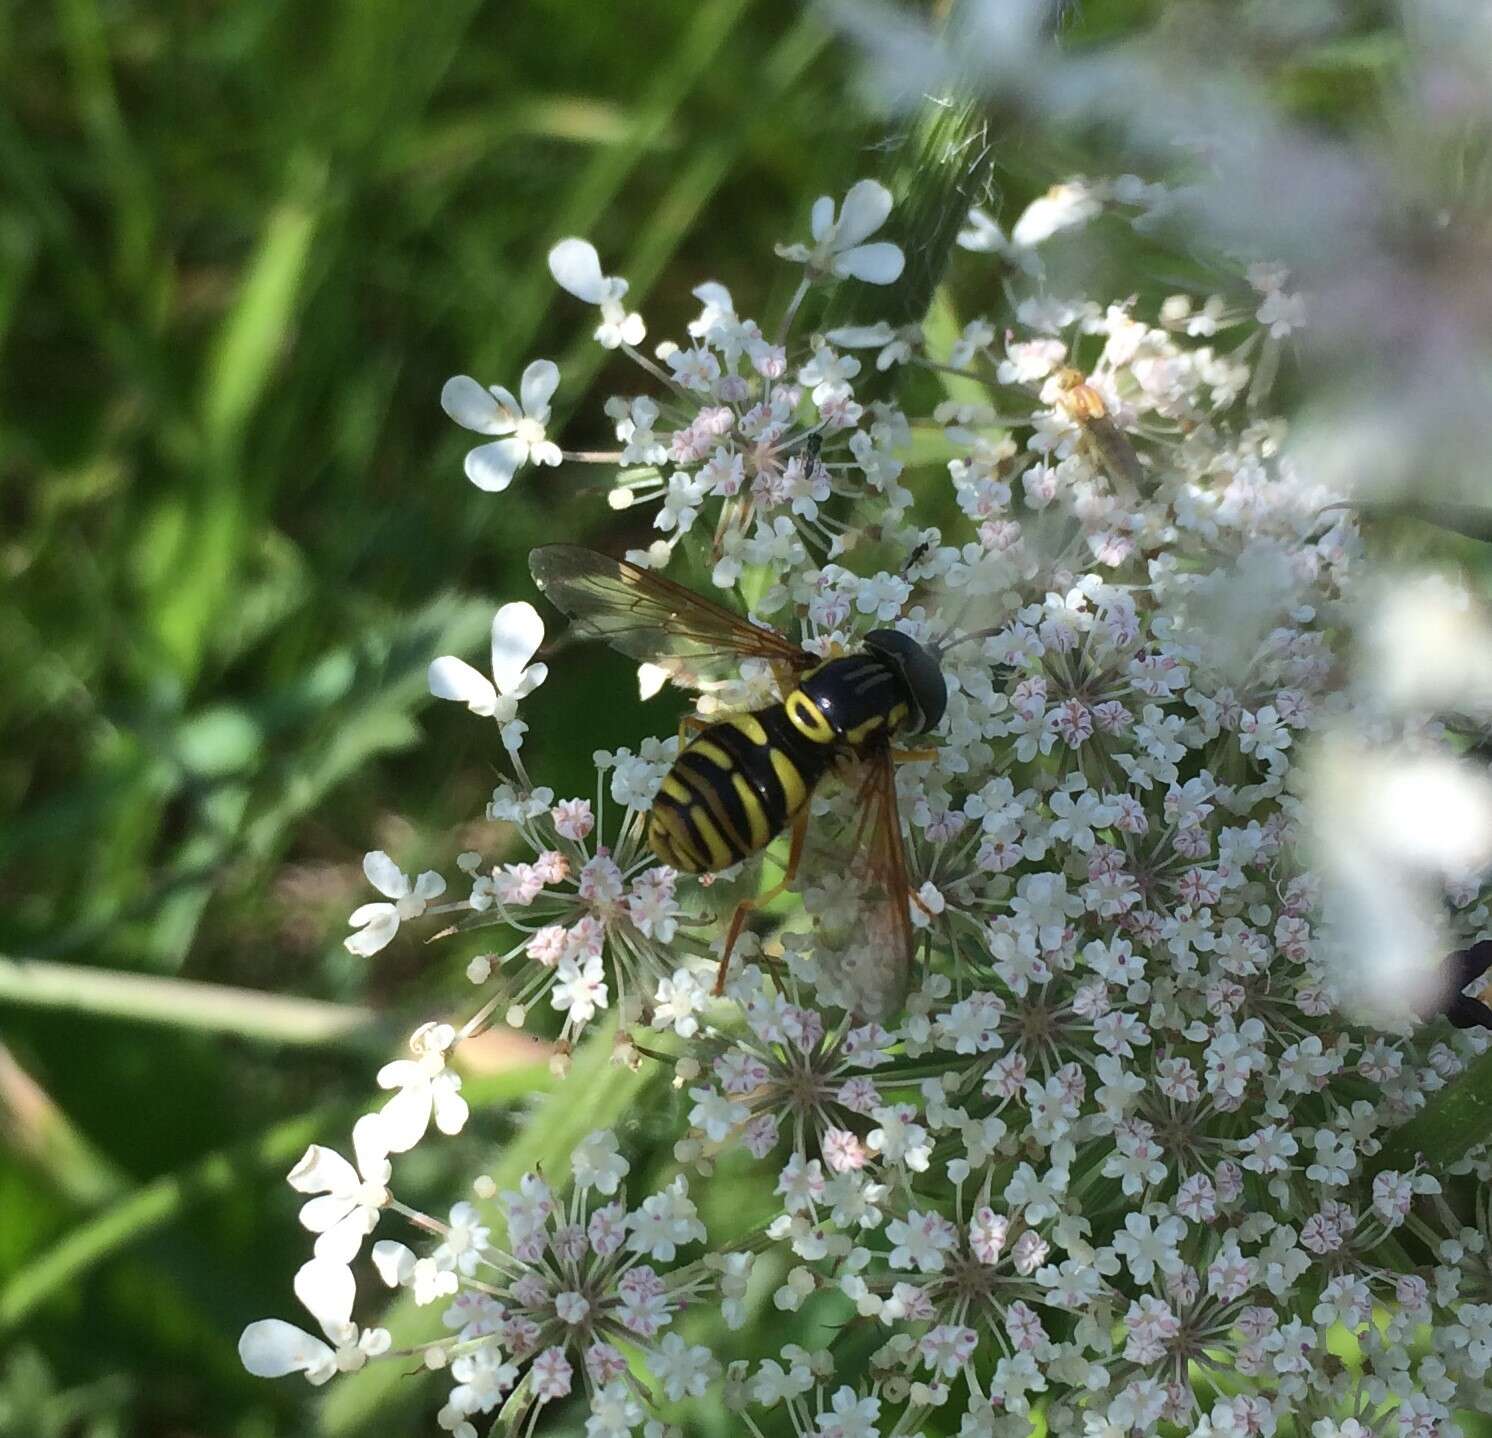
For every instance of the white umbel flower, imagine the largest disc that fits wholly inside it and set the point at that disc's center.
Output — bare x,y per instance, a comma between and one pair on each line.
495,411
426,1088
349,1199
838,240
272,1348
576,267
517,633
376,924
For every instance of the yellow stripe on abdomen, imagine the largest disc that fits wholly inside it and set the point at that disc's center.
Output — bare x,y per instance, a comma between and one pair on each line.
750,726
713,752
669,839
722,856
794,790
756,814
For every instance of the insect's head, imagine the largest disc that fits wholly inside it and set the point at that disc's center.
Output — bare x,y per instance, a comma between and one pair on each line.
919,671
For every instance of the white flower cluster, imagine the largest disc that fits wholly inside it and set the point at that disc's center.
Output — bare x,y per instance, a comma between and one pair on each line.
1112,1165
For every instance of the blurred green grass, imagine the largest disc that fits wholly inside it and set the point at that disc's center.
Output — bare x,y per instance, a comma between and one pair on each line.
241,247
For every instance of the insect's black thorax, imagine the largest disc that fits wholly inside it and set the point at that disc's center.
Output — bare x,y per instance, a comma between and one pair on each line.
860,698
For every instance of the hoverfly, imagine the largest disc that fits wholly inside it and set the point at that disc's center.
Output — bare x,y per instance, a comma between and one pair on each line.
1107,444
742,780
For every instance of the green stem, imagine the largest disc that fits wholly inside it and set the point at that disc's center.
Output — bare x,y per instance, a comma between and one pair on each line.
182,1003
941,169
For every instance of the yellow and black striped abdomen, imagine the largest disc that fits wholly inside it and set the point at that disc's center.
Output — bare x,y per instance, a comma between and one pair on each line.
734,788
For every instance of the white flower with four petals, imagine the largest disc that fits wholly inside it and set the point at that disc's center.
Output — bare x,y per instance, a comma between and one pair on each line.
272,1347
349,1199
426,1088
376,924
517,633
495,411
838,241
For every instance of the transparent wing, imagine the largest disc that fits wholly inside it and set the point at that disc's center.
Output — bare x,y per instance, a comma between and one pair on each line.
653,619
853,878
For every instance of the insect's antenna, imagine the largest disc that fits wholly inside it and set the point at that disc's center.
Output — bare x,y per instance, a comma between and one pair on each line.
939,650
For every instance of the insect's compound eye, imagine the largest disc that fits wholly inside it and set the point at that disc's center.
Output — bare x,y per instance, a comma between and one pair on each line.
919,670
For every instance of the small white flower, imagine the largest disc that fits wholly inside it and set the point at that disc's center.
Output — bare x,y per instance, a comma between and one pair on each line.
595,1163
576,267
614,1412
838,247
683,1369
376,924
1063,207
350,1198
517,633
426,1086
272,1348
495,411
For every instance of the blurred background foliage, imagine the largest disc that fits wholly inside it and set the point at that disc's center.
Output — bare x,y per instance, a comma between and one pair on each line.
241,247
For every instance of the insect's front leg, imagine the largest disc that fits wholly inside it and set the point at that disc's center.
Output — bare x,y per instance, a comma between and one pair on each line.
689,725
738,919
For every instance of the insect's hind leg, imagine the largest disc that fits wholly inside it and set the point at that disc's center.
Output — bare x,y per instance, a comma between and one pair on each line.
691,724
738,919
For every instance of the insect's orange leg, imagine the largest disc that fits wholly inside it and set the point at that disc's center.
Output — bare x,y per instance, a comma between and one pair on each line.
786,677
691,723
913,756
738,919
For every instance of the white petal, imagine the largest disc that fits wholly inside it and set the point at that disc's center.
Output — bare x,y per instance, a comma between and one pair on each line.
475,408
371,1148
400,1073
492,466
340,1242
517,633
530,680
429,885
650,680
272,1348
545,452
322,1170
714,294
406,1116
394,1262
452,678
376,924
877,264
821,221
375,1342
863,213
540,380
385,875
576,267
319,1215
451,1110
326,1290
